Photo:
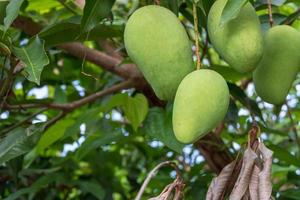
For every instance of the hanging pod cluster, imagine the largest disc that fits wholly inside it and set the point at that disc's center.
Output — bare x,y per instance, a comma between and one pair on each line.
157,42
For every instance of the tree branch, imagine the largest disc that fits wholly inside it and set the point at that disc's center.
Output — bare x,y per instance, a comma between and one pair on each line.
22,122
216,153
77,49
106,62
75,104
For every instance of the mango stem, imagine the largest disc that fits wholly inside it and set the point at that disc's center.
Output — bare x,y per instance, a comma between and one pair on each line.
196,36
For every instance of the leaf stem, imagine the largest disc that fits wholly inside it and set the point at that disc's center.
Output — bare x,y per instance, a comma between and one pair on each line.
196,35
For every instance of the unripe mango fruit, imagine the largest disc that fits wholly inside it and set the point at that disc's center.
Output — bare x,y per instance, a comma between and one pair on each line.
239,41
157,42
201,102
278,68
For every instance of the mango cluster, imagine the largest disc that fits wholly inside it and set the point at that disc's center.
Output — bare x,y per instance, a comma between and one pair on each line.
157,42
273,58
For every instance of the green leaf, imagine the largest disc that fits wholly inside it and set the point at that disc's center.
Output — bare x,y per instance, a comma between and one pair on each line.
283,155
12,11
43,6
232,113
19,141
3,5
94,12
158,125
290,194
98,139
68,31
34,57
53,134
228,73
116,100
173,5
60,95
240,95
136,109
92,187
231,10
42,182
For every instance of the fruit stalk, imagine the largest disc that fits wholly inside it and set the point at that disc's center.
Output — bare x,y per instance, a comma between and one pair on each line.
270,13
196,35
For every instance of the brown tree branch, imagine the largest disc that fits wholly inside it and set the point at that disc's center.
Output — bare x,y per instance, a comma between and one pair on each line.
110,49
103,60
77,49
75,104
216,158
214,151
109,63
22,122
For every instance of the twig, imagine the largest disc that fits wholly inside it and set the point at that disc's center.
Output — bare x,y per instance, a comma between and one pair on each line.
152,173
270,13
22,122
157,2
293,126
205,48
75,104
196,35
53,120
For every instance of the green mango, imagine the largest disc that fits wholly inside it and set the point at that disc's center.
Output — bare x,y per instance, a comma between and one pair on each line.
201,102
280,64
239,41
157,42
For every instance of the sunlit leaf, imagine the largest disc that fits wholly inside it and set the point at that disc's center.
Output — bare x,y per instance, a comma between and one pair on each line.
53,134
136,109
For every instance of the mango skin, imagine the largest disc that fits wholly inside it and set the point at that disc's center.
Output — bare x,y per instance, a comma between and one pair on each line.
201,102
240,41
278,68
158,43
